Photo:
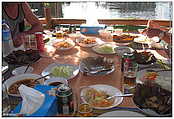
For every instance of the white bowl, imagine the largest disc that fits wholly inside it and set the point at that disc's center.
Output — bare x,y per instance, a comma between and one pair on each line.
16,78
56,79
21,70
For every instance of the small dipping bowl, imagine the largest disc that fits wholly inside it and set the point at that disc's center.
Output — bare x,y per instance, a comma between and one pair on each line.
21,70
55,81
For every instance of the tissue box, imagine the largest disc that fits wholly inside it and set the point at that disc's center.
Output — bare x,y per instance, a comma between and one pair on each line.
48,108
93,30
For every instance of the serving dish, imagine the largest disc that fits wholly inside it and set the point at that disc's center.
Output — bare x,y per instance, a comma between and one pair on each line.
87,41
144,57
12,80
120,50
21,57
97,66
123,38
64,45
67,71
153,100
105,48
153,92
107,90
55,81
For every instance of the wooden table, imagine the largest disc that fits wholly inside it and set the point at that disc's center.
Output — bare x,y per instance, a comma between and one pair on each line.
74,56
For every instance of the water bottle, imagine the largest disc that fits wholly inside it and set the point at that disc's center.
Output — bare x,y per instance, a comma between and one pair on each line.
6,39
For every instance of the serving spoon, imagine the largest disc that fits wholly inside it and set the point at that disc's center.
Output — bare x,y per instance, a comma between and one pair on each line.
123,95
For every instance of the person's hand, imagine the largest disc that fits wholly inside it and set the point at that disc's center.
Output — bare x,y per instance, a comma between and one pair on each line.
150,32
18,39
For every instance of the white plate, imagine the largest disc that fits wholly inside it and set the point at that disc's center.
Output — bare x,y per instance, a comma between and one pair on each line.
98,47
120,50
122,114
108,89
98,40
164,78
21,70
69,41
48,70
13,79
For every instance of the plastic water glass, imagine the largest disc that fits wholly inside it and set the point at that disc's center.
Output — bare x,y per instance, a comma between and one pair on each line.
30,42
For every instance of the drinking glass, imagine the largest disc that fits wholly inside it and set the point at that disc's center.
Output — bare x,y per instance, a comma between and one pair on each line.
30,42
130,72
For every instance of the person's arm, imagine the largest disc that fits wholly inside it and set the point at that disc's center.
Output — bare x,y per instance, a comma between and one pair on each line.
153,24
31,19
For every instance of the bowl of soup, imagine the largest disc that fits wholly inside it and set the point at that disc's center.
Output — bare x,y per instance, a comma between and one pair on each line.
13,83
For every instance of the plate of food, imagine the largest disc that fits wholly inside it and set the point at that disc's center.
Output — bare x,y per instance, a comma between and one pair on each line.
120,50
144,57
97,66
123,38
105,48
67,71
87,41
153,100
96,96
138,46
21,57
64,45
161,77
14,82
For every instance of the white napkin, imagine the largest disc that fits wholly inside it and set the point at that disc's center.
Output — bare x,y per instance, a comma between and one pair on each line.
31,99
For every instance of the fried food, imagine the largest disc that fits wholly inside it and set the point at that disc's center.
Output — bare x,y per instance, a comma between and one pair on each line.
88,41
63,45
124,38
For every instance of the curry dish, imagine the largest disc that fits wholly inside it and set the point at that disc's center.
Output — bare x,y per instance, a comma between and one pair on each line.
14,87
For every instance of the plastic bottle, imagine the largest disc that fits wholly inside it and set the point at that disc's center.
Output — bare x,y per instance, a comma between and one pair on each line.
6,39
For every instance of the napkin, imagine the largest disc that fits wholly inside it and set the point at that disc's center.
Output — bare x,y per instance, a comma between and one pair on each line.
31,99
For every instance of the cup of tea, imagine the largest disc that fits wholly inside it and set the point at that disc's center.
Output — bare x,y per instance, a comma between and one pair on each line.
130,72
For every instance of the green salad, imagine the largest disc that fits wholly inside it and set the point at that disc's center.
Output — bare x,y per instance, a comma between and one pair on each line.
106,49
62,71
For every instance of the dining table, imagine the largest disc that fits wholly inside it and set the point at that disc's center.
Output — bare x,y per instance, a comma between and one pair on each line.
74,56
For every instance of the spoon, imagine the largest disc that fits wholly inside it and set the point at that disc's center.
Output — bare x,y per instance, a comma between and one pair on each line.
124,95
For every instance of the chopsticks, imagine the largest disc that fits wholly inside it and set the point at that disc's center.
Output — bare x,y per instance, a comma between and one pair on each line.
27,68
41,77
